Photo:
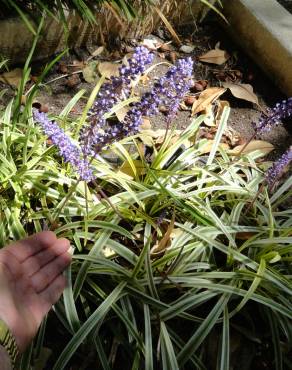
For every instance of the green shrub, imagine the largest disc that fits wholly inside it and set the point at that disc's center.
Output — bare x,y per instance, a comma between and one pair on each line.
178,256
186,252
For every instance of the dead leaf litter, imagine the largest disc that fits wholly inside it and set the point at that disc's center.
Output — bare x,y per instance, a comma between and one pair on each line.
220,79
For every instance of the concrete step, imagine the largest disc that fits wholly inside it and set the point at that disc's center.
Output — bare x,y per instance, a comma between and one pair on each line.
264,29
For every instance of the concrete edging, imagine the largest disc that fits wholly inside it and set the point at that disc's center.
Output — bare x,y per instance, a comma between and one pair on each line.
264,29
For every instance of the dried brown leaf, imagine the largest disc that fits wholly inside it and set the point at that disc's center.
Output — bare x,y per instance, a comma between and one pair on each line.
151,44
12,78
98,51
89,72
165,241
242,91
109,69
121,113
146,124
146,136
77,65
209,120
254,145
206,98
208,147
215,56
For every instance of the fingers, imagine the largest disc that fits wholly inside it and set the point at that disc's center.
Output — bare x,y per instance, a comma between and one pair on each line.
45,275
37,261
52,293
25,248
13,268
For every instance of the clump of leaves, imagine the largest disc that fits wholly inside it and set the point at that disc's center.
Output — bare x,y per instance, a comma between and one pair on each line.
192,260
179,254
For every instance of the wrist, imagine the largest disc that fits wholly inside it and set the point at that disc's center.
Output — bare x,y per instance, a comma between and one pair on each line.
8,343
5,359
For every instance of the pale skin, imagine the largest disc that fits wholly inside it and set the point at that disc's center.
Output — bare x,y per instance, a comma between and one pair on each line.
31,281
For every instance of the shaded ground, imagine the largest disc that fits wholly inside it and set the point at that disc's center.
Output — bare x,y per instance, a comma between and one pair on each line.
55,95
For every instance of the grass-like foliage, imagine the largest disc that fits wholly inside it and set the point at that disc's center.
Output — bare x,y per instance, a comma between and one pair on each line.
179,258
182,259
85,8
29,11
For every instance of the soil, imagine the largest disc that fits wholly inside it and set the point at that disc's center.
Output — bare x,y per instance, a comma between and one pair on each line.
59,89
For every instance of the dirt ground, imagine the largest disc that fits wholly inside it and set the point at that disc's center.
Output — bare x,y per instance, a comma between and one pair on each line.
55,95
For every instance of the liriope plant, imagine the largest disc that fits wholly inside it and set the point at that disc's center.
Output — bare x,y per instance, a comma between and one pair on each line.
175,260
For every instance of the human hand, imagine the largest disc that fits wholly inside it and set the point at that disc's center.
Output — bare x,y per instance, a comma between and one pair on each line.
31,281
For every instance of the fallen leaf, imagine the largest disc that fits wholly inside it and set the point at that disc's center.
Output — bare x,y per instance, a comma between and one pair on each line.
187,49
98,51
151,44
89,72
209,119
77,65
143,79
242,91
109,69
215,56
206,98
166,47
254,145
146,136
233,136
244,235
183,106
12,78
146,124
121,113
165,241
208,147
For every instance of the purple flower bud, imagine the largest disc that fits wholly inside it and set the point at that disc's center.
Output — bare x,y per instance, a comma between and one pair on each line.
274,116
278,167
91,137
67,149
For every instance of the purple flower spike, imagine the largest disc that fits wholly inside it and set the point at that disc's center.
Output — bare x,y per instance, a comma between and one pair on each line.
109,94
169,90
67,149
274,116
176,83
278,167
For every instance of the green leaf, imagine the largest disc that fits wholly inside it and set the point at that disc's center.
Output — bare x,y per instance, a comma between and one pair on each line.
88,326
203,330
